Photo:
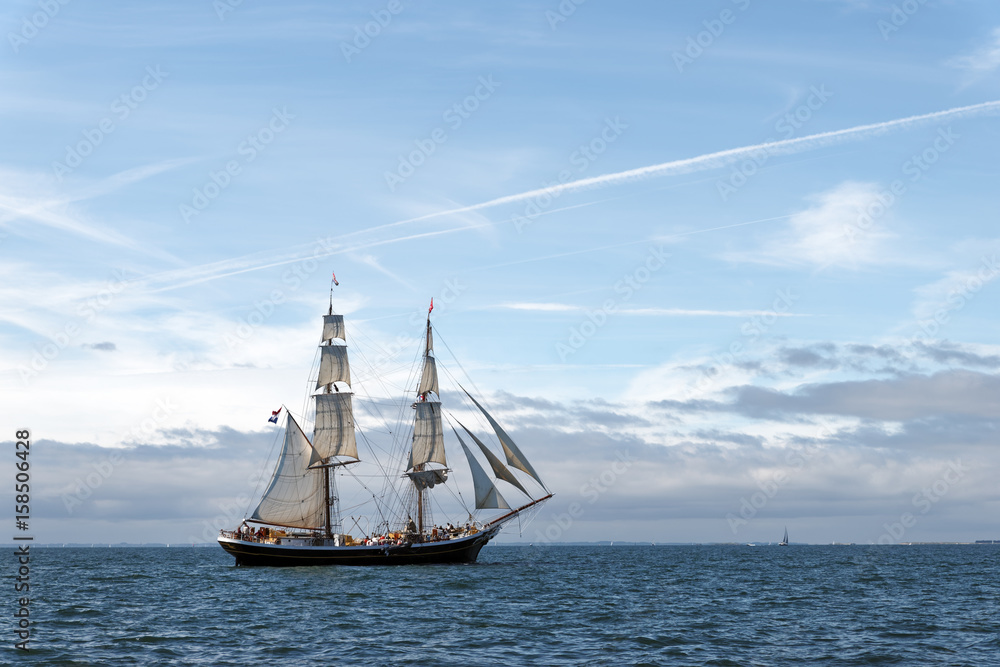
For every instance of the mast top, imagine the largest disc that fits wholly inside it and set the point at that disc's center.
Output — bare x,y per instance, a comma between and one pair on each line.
430,342
333,281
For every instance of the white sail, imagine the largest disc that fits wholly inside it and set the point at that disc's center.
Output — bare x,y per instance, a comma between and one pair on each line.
429,377
500,471
295,495
333,365
333,327
428,438
514,455
487,495
334,431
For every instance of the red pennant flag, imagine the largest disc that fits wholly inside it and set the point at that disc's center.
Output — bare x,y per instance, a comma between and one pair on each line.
432,306
335,279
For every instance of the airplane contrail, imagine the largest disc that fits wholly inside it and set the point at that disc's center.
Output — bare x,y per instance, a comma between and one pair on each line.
722,158
198,274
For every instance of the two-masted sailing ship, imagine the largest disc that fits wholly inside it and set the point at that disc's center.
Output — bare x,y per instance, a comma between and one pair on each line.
298,518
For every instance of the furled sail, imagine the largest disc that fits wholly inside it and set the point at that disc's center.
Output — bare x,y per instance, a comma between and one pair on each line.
487,495
295,495
334,432
333,327
428,438
500,471
429,377
333,365
426,479
514,455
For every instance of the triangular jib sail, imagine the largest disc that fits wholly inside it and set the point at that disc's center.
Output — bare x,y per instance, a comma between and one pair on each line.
487,495
295,495
514,455
500,471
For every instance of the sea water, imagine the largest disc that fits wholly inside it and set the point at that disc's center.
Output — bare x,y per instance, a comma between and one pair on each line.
554,605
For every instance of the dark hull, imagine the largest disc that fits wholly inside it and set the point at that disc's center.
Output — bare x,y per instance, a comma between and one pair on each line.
464,550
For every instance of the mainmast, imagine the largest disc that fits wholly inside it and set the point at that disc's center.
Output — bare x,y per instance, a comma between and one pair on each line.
333,434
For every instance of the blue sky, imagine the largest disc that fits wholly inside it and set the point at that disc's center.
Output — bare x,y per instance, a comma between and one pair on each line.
177,181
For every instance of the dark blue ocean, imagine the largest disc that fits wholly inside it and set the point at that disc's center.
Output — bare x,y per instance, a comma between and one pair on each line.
572,605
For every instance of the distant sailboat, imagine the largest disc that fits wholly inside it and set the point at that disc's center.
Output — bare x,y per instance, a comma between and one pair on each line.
784,540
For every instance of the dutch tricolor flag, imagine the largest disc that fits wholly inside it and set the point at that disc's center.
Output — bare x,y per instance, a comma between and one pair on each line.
274,416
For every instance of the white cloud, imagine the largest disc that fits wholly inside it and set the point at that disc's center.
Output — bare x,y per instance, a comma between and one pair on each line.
981,61
958,287
834,231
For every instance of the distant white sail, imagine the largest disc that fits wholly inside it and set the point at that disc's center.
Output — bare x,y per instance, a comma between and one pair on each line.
429,377
487,495
334,431
514,455
428,438
295,495
333,365
500,471
333,327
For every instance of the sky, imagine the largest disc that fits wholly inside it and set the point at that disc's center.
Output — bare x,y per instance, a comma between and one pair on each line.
719,267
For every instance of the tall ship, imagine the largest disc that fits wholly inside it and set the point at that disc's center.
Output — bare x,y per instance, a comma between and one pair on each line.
400,508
